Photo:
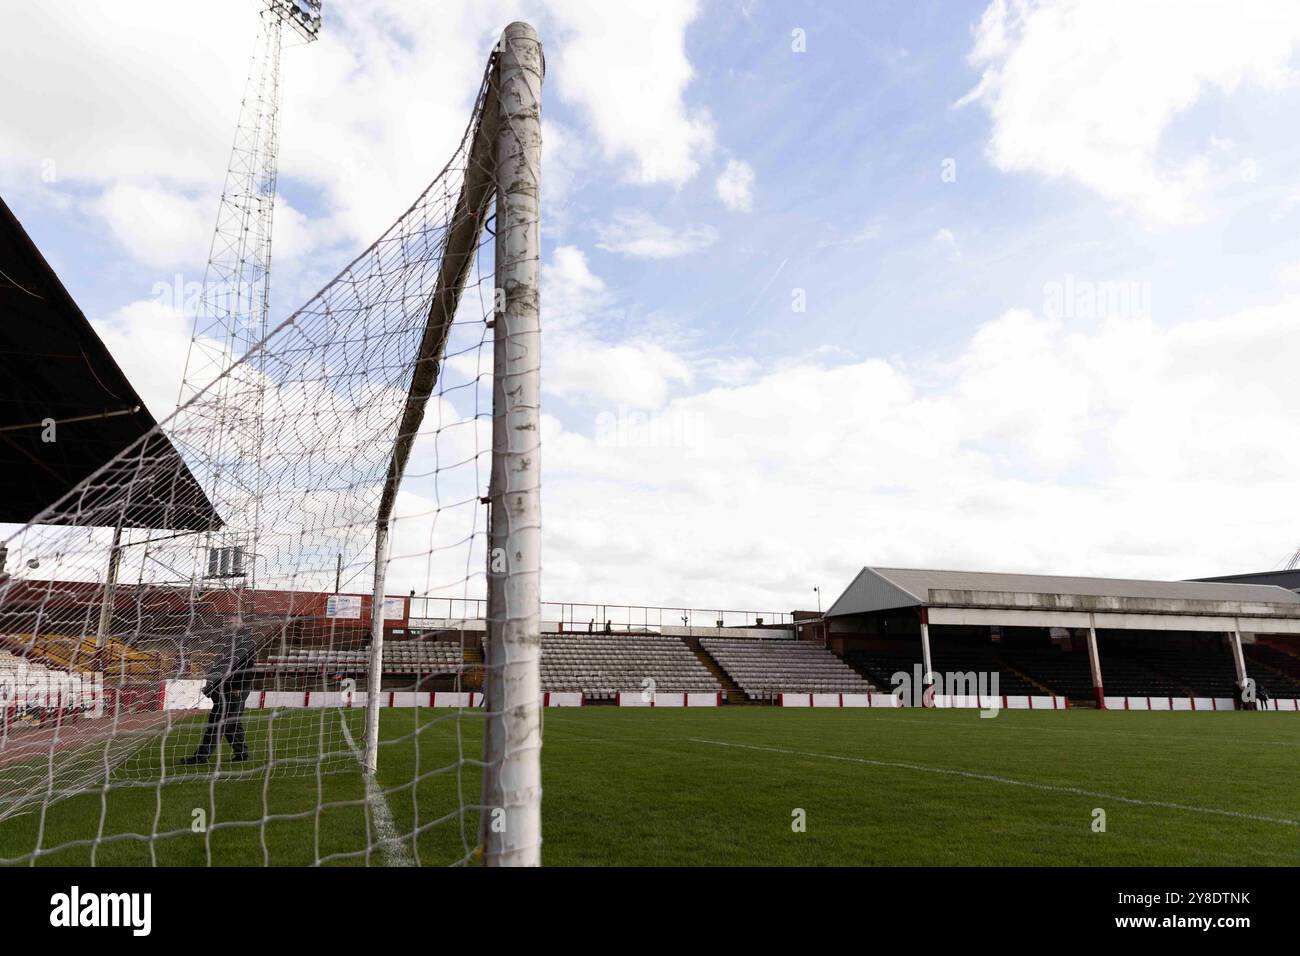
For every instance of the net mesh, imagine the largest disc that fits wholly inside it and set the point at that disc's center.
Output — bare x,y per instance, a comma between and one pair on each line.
226,561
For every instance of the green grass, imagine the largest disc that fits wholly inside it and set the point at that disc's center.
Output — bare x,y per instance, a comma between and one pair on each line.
719,787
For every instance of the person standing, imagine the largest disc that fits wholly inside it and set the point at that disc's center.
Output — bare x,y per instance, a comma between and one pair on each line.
227,686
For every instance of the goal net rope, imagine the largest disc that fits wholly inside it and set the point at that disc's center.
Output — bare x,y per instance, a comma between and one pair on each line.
188,646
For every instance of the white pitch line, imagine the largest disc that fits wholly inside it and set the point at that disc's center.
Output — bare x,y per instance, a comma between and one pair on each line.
1009,781
392,848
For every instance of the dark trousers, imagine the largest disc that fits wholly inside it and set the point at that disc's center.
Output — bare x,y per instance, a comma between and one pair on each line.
224,720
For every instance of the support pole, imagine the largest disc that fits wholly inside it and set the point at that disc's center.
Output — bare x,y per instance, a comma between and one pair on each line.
927,677
375,674
1094,662
106,605
512,740
1239,663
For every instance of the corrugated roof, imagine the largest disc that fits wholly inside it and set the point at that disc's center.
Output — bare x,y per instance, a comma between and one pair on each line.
1283,579
883,588
54,366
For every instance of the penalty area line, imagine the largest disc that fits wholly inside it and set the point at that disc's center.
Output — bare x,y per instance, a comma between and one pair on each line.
1006,781
391,848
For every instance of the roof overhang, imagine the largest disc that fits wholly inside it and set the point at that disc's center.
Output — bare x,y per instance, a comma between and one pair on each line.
1110,620
54,367
1011,600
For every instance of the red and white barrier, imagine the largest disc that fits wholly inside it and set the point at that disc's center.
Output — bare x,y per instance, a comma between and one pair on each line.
562,698
838,700
1006,701
312,699
636,698
1199,704
43,694
184,695
1284,704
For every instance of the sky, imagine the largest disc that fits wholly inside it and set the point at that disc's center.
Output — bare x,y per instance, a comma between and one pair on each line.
983,285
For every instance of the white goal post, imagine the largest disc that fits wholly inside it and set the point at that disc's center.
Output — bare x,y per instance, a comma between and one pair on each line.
505,157
198,609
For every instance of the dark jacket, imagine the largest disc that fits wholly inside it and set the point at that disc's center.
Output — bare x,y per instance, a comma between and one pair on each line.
235,669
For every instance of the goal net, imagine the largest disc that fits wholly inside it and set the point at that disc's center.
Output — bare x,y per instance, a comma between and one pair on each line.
298,622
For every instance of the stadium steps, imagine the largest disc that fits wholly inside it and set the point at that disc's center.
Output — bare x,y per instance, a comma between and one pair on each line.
1004,664
730,689
471,674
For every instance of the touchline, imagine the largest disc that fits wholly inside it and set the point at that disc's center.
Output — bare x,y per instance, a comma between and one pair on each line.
75,908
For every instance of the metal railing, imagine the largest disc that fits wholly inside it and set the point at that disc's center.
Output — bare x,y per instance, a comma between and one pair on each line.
619,617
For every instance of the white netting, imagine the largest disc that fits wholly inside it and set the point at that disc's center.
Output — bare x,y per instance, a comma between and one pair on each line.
102,686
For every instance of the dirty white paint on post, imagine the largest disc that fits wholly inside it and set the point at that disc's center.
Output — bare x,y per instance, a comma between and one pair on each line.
512,786
1094,661
370,761
927,677
1238,661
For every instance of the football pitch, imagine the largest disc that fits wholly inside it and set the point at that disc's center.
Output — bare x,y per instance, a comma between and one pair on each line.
731,786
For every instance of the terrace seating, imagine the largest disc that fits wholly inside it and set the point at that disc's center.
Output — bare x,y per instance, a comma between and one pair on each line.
1203,669
425,658
879,667
1066,673
1275,670
981,658
1128,672
601,665
765,668
115,659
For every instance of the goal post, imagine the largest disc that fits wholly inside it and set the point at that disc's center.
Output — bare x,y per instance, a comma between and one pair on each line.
505,160
211,604
510,819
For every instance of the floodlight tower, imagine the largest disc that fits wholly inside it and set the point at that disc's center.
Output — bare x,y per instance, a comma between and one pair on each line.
233,309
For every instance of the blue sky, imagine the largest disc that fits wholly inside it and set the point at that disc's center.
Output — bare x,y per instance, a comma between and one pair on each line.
928,178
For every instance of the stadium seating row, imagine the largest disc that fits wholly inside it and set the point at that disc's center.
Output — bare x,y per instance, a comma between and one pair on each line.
600,666
764,669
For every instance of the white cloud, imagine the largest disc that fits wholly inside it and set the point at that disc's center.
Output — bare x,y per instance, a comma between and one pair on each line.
1084,91
625,67
735,185
583,364
570,290
119,96
641,236
160,227
636,374
1124,448
867,232
948,242
150,339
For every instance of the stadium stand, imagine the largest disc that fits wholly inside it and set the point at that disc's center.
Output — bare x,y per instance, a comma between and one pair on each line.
766,668
1275,670
601,665
1200,668
1065,673
1126,672
980,657
115,659
879,666
420,658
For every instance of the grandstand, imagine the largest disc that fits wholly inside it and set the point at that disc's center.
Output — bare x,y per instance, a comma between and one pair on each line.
601,665
764,669
307,649
1078,639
